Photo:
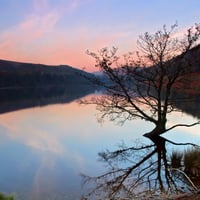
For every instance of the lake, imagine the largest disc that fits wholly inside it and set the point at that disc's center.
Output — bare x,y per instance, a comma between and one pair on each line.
43,149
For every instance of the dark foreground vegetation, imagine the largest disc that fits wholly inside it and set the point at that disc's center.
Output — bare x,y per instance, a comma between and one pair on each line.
6,197
189,163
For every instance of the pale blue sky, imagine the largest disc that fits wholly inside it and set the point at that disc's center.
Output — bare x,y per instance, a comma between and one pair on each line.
60,31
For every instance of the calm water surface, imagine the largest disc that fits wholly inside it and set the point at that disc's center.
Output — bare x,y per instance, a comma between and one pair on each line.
43,150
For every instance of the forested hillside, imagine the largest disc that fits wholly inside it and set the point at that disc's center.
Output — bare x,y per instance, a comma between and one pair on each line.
16,75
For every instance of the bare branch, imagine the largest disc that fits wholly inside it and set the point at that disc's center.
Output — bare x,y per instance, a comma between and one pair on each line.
183,125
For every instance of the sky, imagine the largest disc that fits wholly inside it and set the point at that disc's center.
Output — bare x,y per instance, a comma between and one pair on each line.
58,32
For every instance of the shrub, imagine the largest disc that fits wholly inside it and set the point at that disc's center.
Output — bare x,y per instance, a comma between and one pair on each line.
176,159
4,197
192,162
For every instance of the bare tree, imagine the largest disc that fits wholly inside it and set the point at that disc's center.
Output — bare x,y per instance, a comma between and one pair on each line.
143,87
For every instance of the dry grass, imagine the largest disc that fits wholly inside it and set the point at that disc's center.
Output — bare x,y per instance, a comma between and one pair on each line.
189,197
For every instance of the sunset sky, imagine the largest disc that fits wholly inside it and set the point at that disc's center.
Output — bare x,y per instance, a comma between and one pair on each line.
60,31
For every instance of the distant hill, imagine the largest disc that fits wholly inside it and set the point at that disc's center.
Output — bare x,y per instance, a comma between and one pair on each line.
18,74
194,57
192,75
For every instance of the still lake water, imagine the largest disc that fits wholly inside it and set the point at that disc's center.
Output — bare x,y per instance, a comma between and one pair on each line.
44,149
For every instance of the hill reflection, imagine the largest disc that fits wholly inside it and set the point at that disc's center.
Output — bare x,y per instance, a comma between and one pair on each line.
188,104
21,98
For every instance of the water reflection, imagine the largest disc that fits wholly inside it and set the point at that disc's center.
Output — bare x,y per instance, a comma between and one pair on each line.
44,149
20,98
188,104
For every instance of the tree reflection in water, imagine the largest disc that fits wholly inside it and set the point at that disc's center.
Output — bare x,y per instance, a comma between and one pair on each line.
140,171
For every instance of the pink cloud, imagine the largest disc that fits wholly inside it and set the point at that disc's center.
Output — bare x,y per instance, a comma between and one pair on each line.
72,5
49,46
40,5
16,42
37,26
38,40
70,48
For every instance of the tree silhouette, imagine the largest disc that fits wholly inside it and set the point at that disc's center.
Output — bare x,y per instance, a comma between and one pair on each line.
144,86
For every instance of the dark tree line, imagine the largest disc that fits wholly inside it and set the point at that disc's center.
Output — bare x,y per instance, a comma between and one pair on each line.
16,75
39,79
